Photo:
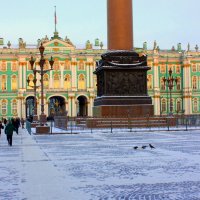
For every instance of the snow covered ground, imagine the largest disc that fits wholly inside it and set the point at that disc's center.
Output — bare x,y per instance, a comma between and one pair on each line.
103,166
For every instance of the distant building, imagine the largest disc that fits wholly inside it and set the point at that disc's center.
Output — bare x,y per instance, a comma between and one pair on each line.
71,85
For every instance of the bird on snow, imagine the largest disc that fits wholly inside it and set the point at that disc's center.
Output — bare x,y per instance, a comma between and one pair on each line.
135,147
151,146
144,147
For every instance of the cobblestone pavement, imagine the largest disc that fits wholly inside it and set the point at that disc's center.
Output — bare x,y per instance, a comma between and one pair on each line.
93,166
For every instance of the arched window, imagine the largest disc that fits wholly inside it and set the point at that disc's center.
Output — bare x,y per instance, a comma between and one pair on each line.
56,64
81,65
46,65
81,82
4,104
46,81
31,83
162,84
178,86
14,82
178,106
194,68
56,81
164,106
149,82
195,105
67,81
178,69
162,69
194,82
3,66
14,107
4,82
67,65
14,66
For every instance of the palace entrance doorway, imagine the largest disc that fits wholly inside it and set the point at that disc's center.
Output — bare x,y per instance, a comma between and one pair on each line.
29,106
82,106
56,106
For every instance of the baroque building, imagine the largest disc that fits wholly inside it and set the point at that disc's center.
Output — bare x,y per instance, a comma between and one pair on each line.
71,85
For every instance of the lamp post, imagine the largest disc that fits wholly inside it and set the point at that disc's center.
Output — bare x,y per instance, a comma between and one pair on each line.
35,117
41,71
170,84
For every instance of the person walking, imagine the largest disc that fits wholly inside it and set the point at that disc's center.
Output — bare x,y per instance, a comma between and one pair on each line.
9,132
16,124
1,127
22,123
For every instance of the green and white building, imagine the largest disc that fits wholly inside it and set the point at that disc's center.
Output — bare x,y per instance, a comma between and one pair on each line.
71,85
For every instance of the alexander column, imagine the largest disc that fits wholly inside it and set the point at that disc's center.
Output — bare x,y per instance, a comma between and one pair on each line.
120,24
121,73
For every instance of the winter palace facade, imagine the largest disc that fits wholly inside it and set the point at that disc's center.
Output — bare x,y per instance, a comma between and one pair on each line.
71,85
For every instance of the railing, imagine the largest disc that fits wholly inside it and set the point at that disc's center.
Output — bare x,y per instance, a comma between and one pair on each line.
76,125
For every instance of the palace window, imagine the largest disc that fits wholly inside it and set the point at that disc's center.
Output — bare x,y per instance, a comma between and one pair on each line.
3,66
4,82
46,65
163,105
14,82
46,80
149,82
178,69
56,64
194,68
162,69
195,105
56,81
178,85
178,106
67,65
4,104
67,81
81,82
14,66
194,83
14,107
81,65
31,83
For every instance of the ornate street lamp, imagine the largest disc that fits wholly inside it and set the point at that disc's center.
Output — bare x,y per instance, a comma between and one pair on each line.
41,71
32,61
170,83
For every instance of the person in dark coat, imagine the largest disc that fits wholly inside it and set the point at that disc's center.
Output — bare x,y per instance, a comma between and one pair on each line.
15,124
1,127
9,132
22,122
5,121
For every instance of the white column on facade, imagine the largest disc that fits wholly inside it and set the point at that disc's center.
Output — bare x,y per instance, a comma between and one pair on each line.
92,75
69,106
90,107
20,79
156,87
74,75
62,74
88,75
24,75
51,80
74,112
187,92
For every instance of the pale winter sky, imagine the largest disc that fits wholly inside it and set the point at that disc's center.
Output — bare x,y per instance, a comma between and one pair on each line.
167,21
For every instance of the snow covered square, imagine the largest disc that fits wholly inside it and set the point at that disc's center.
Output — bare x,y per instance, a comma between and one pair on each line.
101,166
